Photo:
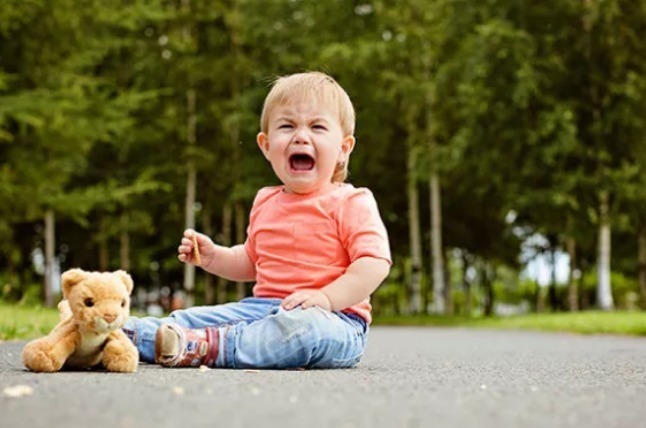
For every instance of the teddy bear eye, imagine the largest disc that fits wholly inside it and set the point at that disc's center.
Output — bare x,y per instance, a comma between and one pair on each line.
123,303
89,302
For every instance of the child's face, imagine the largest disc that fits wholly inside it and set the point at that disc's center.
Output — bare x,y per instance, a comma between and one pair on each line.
304,142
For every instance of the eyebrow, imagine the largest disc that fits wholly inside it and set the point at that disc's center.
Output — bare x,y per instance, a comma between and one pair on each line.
319,119
290,118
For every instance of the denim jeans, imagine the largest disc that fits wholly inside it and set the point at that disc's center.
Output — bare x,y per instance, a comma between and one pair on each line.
259,333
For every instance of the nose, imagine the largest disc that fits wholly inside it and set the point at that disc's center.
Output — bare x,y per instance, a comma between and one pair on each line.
109,318
301,136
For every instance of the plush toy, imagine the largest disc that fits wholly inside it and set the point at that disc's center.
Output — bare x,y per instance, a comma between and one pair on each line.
96,306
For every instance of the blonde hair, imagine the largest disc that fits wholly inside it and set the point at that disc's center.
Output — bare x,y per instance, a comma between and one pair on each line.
300,87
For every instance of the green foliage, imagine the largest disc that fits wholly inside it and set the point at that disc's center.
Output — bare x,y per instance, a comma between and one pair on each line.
517,292
625,290
589,322
525,107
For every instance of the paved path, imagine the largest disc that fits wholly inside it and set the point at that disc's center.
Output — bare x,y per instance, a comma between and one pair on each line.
410,377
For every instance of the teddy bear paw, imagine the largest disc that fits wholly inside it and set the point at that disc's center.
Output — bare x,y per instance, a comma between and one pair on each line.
39,361
122,364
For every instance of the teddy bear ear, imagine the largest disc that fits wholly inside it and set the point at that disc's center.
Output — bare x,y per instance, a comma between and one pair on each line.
70,278
127,280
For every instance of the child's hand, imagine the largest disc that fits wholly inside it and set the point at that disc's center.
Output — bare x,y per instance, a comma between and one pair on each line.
186,251
307,299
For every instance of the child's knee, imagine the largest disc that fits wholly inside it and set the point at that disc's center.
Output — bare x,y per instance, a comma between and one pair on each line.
299,322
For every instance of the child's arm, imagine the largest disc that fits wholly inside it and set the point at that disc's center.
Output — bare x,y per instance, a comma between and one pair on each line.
231,263
358,282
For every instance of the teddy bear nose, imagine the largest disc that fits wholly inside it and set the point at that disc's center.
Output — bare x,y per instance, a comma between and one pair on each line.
109,318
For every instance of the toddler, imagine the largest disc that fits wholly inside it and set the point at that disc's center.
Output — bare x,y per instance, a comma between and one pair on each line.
316,249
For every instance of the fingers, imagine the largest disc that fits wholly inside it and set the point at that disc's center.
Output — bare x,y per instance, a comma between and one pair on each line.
184,256
308,303
294,300
315,300
185,249
189,233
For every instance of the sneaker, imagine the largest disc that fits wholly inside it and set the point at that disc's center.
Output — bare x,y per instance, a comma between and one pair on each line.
177,346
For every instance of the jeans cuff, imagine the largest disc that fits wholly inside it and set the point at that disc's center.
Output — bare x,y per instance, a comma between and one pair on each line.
130,329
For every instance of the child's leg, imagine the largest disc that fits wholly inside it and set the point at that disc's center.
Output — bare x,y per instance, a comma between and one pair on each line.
284,339
142,330
312,338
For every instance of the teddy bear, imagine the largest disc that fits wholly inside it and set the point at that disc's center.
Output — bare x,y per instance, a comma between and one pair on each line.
95,307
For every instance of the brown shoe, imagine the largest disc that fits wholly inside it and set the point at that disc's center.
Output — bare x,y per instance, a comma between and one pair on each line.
176,346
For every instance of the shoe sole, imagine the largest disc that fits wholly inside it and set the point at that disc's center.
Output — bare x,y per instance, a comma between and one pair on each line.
161,343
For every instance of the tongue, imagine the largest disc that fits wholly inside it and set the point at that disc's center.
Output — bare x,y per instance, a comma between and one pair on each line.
302,163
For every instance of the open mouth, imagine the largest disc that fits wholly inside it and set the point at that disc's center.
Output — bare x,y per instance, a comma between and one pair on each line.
301,162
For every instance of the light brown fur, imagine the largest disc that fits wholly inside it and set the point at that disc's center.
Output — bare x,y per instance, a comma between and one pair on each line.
95,307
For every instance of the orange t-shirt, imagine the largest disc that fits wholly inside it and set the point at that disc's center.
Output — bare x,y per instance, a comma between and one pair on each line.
307,241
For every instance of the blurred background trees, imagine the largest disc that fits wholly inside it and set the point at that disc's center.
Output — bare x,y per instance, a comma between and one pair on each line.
497,137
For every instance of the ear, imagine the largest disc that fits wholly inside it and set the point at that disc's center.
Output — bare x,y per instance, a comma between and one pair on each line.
263,142
70,278
347,145
126,279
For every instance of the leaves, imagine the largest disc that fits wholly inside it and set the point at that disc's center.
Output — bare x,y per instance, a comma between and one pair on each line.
525,106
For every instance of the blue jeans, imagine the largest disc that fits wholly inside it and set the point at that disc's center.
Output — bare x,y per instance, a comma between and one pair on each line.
258,333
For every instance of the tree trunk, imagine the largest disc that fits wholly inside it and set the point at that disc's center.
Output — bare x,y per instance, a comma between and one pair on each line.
466,284
415,285
642,264
240,220
124,252
604,288
487,288
540,298
226,241
439,303
191,181
585,302
191,173
209,289
50,239
396,304
553,298
437,260
448,297
240,234
572,281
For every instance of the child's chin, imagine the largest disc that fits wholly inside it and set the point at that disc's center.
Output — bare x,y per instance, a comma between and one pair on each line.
301,188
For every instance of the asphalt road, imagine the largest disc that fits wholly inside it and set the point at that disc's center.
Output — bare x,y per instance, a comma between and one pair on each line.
410,377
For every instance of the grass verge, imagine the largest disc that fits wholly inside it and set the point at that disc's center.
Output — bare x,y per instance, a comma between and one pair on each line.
591,322
25,322
18,322
22,322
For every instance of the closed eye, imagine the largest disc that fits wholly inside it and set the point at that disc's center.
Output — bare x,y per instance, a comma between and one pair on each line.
320,127
285,126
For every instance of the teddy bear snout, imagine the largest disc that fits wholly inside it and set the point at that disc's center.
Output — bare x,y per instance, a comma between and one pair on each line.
109,318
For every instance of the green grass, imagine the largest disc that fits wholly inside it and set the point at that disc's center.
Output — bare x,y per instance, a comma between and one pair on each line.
25,322
19,322
592,322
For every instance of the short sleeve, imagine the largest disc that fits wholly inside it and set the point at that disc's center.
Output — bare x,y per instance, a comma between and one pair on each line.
250,247
361,229
261,198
